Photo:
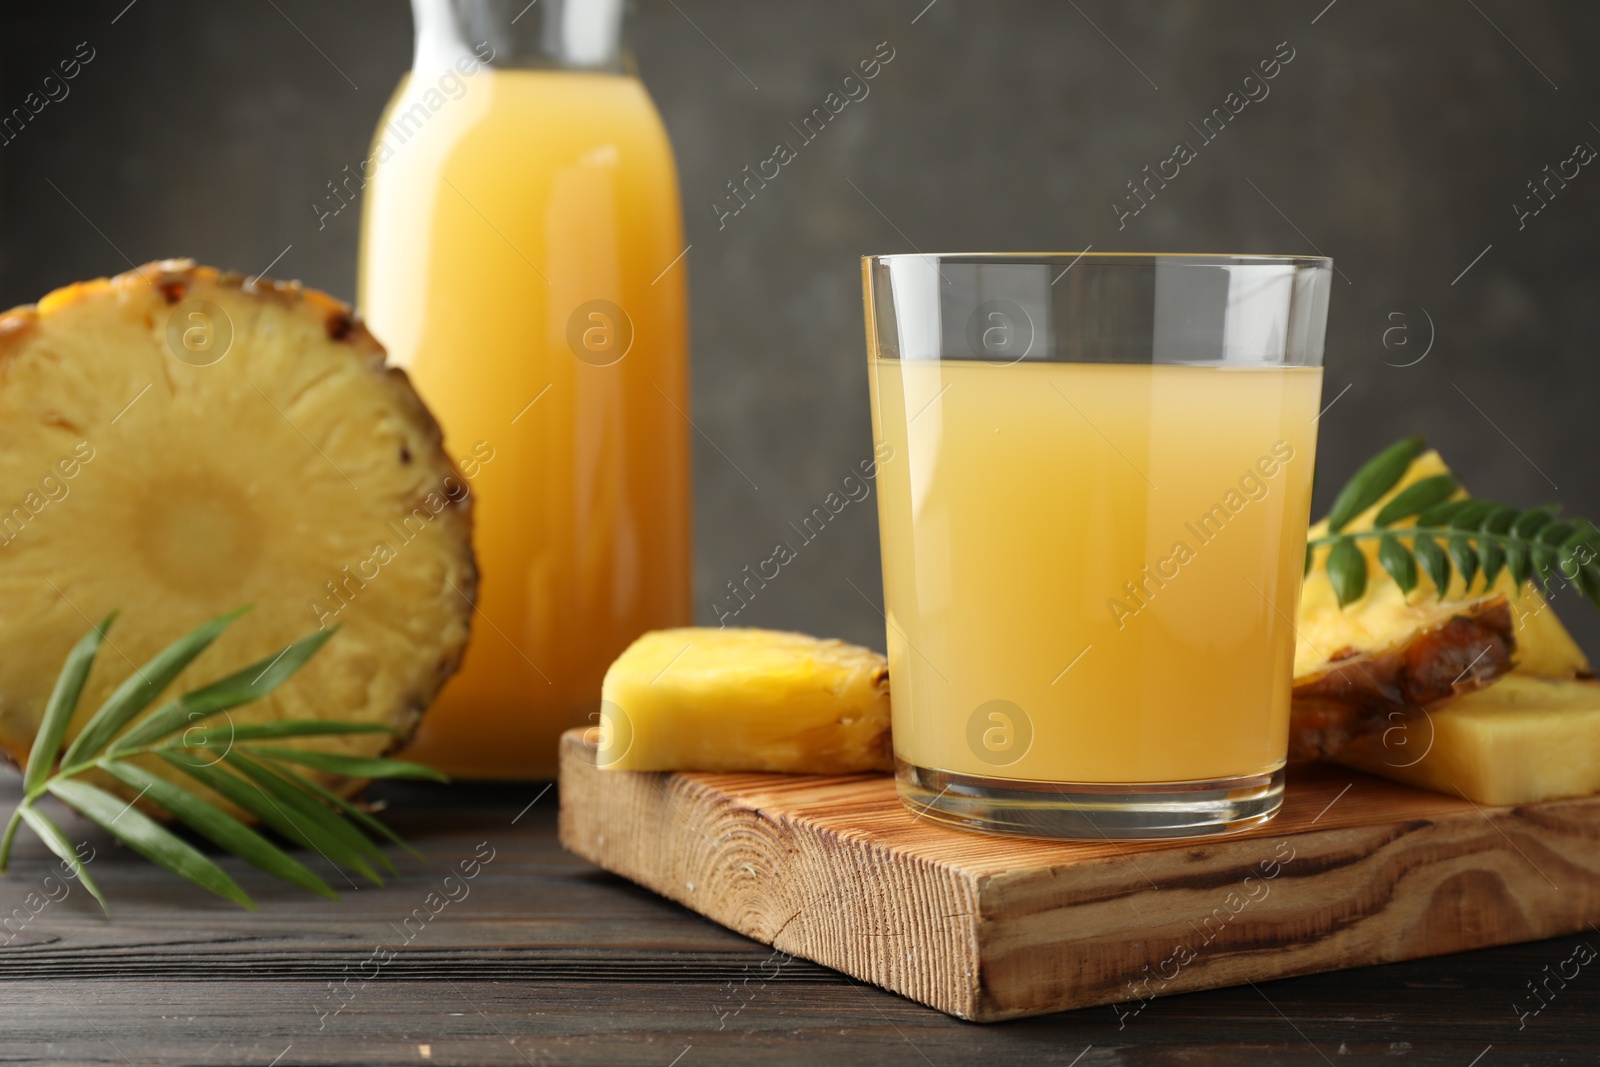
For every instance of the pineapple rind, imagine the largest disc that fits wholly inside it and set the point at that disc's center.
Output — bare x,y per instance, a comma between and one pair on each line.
253,480
700,698
1462,647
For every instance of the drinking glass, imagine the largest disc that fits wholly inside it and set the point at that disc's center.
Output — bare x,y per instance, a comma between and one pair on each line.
1094,482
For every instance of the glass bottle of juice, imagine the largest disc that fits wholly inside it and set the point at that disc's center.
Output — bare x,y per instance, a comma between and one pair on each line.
521,257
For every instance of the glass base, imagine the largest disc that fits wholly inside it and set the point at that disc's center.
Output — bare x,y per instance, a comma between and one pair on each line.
1092,812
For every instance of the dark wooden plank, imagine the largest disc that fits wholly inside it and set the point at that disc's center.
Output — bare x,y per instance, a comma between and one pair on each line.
1419,1013
548,960
531,896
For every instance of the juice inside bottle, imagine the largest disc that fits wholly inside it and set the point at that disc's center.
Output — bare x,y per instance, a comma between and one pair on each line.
521,259
1090,569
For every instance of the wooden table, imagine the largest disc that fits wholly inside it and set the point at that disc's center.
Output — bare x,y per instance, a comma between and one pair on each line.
542,959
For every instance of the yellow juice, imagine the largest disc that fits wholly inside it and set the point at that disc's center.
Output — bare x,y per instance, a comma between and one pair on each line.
518,259
1089,569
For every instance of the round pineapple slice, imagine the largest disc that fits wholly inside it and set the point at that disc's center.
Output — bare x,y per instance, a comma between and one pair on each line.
176,443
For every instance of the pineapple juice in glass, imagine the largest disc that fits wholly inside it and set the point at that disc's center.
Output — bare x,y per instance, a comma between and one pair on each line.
1093,509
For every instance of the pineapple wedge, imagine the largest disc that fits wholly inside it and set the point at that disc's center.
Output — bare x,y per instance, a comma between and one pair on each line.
706,699
1390,651
1522,740
1543,645
176,443
1418,656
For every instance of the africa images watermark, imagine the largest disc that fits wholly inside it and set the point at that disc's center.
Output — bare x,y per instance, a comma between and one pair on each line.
1255,89
454,890
1252,890
343,590
404,124
54,891
777,961
744,590
52,90
1553,179
1253,486
855,90
1582,955
52,489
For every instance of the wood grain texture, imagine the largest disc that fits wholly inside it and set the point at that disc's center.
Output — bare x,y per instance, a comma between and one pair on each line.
1355,871
551,961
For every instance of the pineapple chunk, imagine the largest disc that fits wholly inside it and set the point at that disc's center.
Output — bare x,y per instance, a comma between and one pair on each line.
1522,740
1385,614
704,699
1390,651
176,443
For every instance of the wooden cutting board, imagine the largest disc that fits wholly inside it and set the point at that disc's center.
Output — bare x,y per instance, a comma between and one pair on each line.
1354,871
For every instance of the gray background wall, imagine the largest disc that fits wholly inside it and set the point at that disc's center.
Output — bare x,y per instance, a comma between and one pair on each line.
1397,141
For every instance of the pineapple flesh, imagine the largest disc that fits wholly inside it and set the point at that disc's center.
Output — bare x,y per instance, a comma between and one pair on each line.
176,443
706,699
1522,740
1520,724
1391,651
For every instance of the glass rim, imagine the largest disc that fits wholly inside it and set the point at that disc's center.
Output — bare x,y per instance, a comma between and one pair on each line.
1111,307
1199,258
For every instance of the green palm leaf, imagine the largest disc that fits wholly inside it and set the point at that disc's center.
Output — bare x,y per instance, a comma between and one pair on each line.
57,842
239,688
260,784
1347,570
1472,513
1375,478
58,710
1399,563
1492,557
1415,498
1555,532
1464,556
1519,561
1480,537
1530,522
223,736
349,766
1440,514
218,827
247,795
329,797
310,810
1500,519
142,686
1589,580
147,837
